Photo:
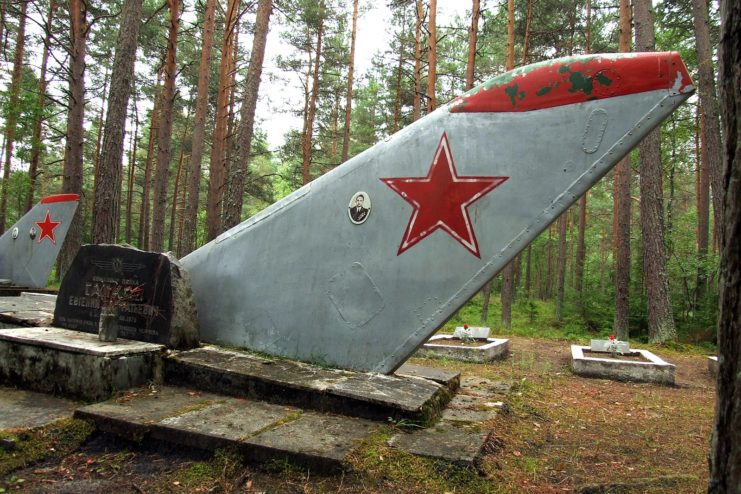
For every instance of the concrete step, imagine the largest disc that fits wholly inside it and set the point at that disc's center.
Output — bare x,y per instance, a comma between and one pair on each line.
258,430
287,382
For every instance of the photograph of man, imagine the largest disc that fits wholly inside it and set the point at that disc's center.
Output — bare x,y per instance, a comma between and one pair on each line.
359,208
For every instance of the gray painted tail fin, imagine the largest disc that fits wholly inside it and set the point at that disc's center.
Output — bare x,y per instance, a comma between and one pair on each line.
29,248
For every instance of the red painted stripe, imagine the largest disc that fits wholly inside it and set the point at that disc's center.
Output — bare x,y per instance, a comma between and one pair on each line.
60,198
570,80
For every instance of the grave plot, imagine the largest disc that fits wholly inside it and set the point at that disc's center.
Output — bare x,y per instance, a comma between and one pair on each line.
467,344
620,363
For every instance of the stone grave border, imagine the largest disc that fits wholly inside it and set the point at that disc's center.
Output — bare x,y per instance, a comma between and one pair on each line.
655,370
495,348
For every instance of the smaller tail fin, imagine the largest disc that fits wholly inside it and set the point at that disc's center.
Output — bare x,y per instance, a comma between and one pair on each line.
29,248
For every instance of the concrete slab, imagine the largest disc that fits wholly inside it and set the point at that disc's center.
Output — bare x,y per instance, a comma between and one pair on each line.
321,442
444,346
27,409
445,442
449,379
224,423
27,309
653,369
242,374
134,415
73,364
260,431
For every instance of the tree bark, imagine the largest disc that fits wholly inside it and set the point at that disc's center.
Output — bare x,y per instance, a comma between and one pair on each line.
510,61
660,318
199,127
703,214
217,169
526,41
432,57
308,137
33,167
164,136
132,173
560,288
485,301
154,123
240,170
581,250
725,454
12,117
419,9
106,208
473,33
350,74
72,170
506,295
708,103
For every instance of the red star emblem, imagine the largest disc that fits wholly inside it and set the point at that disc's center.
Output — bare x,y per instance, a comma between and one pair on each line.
47,228
441,200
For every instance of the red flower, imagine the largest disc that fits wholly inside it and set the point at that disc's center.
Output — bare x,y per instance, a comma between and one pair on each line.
612,337
465,326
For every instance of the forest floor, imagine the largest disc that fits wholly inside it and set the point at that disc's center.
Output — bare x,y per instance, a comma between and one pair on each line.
559,433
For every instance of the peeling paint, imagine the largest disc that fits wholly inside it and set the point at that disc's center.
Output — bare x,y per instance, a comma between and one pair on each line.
578,79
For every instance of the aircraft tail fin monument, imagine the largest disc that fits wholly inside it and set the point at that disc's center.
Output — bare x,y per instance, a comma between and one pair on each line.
29,248
360,267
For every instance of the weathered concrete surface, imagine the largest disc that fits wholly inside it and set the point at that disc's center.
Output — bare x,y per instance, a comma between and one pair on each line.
444,442
449,379
73,364
27,310
27,409
135,413
489,350
319,441
371,396
460,437
653,370
260,431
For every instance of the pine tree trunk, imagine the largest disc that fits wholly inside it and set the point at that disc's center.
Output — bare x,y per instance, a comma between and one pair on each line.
725,454
144,220
176,189
99,136
12,117
308,137
528,264
473,33
432,57
708,103
526,41
217,170
235,199
33,167
199,126
510,61
703,215
506,295
164,137
660,318
106,208
350,74
72,171
581,251
132,173
485,301
561,284
419,9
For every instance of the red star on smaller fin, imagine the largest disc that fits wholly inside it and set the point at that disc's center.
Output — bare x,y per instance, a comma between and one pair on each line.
47,228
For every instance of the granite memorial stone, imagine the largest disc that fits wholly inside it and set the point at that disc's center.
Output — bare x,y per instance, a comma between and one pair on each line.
150,291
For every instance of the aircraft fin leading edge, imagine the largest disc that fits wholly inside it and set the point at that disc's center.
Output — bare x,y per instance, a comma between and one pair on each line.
29,248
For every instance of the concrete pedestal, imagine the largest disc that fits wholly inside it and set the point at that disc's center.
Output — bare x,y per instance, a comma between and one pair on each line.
74,364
